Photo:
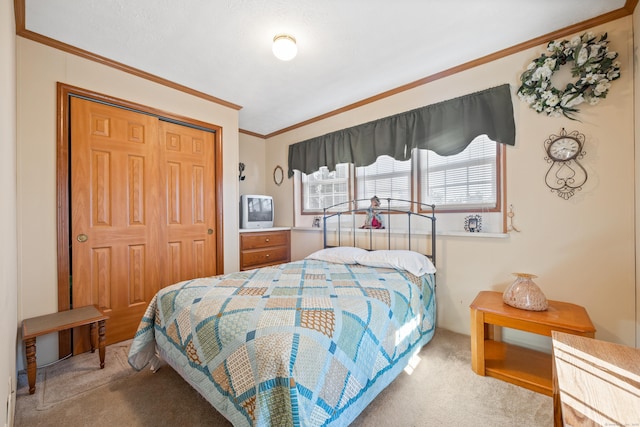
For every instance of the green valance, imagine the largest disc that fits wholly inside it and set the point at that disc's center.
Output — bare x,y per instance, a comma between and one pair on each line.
445,128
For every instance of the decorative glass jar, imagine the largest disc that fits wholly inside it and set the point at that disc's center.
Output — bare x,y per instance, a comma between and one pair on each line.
525,294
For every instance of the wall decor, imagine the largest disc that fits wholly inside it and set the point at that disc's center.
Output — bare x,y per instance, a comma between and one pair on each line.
565,175
473,223
593,66
241,168
278,175
511,214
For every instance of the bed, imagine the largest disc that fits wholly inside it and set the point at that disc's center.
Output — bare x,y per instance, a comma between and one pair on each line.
306,343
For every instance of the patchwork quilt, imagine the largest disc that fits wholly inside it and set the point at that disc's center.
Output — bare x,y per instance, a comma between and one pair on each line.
308,343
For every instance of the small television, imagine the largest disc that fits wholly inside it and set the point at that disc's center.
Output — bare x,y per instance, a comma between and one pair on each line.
256,211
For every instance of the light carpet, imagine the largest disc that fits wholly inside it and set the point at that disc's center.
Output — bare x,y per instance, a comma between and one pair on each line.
71,378
442,390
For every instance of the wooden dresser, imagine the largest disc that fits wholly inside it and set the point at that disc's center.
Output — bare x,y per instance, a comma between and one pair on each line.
261,248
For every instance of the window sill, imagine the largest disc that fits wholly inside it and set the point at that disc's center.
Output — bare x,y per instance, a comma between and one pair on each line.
413,232
474,235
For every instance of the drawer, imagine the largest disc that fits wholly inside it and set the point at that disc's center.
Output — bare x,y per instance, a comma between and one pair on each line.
264,256
264,240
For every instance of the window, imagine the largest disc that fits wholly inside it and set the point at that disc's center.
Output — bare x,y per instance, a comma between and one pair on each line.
466,181
325,188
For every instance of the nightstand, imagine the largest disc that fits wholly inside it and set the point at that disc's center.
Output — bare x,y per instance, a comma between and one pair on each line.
518,365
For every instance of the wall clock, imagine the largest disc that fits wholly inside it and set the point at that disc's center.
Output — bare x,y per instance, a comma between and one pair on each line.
565,175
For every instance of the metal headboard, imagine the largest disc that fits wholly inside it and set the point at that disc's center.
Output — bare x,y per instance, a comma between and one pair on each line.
414,209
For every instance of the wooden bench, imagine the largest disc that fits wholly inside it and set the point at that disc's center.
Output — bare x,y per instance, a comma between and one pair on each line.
60,321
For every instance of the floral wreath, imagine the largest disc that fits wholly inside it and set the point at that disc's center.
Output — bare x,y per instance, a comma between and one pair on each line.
593,64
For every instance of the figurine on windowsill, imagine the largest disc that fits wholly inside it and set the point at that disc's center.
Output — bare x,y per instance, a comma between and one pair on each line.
374,219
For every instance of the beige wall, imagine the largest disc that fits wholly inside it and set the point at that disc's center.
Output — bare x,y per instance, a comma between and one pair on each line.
39,68
8,245
252,153
582,249
261,158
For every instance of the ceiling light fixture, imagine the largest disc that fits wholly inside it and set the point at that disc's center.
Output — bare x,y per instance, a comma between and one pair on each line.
284,47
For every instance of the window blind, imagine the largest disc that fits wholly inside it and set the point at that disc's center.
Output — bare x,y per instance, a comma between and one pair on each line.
386,178
466,180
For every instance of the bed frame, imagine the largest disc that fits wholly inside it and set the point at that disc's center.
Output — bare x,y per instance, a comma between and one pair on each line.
414,209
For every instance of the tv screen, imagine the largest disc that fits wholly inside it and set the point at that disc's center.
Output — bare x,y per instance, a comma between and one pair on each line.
260,209
256,211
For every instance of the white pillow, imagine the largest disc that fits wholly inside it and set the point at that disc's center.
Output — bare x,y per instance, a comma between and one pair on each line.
413,262
341,254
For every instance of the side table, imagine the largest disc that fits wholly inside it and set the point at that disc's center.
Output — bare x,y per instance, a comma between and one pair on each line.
60,321
518,365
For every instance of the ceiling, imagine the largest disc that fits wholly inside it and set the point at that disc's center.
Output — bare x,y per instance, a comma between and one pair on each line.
348,50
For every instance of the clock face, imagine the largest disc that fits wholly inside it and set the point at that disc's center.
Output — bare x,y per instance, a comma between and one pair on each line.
563,149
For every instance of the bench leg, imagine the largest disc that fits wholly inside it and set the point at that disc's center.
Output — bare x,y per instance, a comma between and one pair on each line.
101,341
31,364
93,336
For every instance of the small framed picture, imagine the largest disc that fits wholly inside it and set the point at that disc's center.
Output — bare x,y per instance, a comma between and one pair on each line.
473,223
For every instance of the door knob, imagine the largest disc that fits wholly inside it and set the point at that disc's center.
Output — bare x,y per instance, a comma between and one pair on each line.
82,238
210,231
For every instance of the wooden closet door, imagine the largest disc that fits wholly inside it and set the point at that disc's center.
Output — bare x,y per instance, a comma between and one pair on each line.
117,215
189,167
143,211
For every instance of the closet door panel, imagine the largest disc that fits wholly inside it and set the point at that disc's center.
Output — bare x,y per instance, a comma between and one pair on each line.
191,206
116,226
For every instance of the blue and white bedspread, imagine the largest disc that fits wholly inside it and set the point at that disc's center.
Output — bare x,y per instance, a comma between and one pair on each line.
307,343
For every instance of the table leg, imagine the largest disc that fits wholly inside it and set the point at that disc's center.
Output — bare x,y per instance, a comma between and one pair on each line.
31,364
557,403
101,341
477,342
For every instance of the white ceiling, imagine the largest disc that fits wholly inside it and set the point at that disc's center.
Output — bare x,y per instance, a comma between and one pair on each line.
348,50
